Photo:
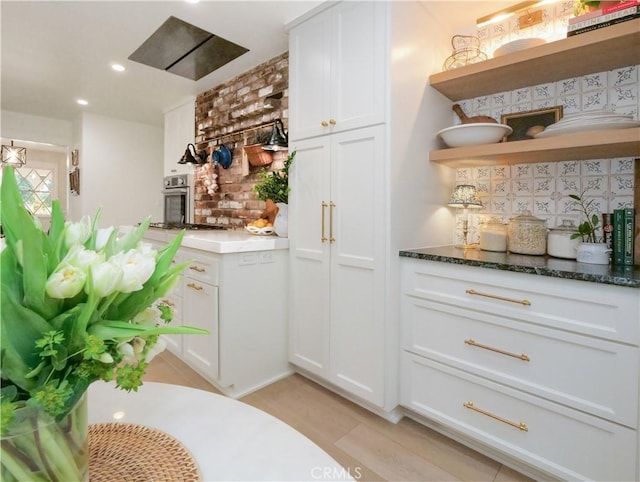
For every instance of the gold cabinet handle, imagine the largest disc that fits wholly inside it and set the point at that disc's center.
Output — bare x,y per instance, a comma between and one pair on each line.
324,206
194,286
324,123
195,268
502,298
472,342
332,122
168,302
331,206
520,426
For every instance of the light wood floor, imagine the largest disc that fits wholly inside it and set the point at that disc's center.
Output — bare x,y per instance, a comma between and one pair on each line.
370,447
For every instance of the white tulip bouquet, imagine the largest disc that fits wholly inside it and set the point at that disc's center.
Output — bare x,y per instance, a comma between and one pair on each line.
78,304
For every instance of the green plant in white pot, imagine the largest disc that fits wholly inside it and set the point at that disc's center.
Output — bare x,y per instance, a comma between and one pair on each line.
274,186
592,249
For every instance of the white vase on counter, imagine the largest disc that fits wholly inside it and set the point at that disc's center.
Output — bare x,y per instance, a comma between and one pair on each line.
593,253
281,223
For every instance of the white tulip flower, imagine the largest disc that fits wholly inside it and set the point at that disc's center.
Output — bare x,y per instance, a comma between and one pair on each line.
105,278
102,236
83,258
77,233
65,282
147,317
137,268
157,348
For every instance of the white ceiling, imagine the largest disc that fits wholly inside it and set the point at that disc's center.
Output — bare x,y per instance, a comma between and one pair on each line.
54,52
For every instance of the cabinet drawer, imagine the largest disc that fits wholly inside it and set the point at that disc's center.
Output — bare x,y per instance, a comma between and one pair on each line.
605,311
201,267
591,375
563,442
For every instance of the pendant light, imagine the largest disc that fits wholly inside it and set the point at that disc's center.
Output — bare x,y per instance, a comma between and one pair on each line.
15,156
279,140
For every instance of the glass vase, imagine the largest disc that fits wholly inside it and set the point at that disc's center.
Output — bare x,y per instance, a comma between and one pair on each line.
38,448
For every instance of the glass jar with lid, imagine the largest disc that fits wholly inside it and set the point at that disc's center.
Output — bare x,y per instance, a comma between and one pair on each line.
560,241
527,234
493,235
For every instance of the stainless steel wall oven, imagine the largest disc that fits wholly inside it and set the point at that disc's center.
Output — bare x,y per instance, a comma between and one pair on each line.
178,199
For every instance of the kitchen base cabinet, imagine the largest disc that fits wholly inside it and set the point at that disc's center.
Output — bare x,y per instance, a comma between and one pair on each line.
241,298
550,438
540,373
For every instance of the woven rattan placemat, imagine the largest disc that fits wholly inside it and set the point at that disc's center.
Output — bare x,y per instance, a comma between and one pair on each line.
135,453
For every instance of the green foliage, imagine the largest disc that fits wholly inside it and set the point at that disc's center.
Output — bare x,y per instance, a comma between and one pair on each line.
274,185
57,340
588,228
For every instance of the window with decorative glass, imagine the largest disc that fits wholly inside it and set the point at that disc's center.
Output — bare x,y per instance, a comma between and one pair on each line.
37,187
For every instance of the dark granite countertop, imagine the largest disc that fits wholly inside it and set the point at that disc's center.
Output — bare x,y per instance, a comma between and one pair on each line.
540,265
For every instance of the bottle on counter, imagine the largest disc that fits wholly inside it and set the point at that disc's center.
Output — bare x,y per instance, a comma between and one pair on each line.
493,236
527,234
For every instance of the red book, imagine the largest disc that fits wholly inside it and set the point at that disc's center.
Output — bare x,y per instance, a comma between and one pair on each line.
604,11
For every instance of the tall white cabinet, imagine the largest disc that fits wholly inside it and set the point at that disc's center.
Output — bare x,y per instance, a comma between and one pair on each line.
360,189
179,131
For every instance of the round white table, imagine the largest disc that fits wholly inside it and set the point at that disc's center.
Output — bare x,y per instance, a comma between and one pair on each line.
229,439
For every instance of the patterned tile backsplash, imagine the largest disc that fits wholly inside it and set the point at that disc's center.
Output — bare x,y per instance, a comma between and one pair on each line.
544,187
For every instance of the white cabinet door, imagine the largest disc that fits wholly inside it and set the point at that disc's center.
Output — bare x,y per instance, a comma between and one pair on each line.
358,262
337,70
200,309
309,77
337,242
179,131
358,72
309,251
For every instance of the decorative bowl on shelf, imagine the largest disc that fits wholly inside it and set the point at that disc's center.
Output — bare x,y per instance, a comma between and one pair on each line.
517,45
474,134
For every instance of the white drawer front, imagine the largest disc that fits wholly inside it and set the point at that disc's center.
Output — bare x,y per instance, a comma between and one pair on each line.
595,376
203,268
560,441
606,311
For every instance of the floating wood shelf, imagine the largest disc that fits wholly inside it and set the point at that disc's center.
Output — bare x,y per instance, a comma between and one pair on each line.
596,51
583,145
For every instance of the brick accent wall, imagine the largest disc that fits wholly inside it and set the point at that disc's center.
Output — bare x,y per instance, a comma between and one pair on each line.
231,114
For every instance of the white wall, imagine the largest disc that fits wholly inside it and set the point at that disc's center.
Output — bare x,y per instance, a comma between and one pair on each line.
121,170
16,125
121,163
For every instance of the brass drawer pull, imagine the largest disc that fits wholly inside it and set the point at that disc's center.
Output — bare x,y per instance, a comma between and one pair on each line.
168,302
194,286
520,426
195,268
523,356
502,298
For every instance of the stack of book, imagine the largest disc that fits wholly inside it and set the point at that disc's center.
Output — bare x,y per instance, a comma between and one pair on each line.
604,17
623,236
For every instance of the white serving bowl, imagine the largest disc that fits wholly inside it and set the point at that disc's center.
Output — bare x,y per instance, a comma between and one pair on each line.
474,134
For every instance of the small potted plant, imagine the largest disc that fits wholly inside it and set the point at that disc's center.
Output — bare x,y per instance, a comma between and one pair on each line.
273,188
592,249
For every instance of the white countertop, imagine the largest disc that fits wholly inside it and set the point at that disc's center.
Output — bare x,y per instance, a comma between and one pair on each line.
219,241
229,439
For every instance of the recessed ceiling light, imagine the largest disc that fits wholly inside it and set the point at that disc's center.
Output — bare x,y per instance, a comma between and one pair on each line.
117,67
82,102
